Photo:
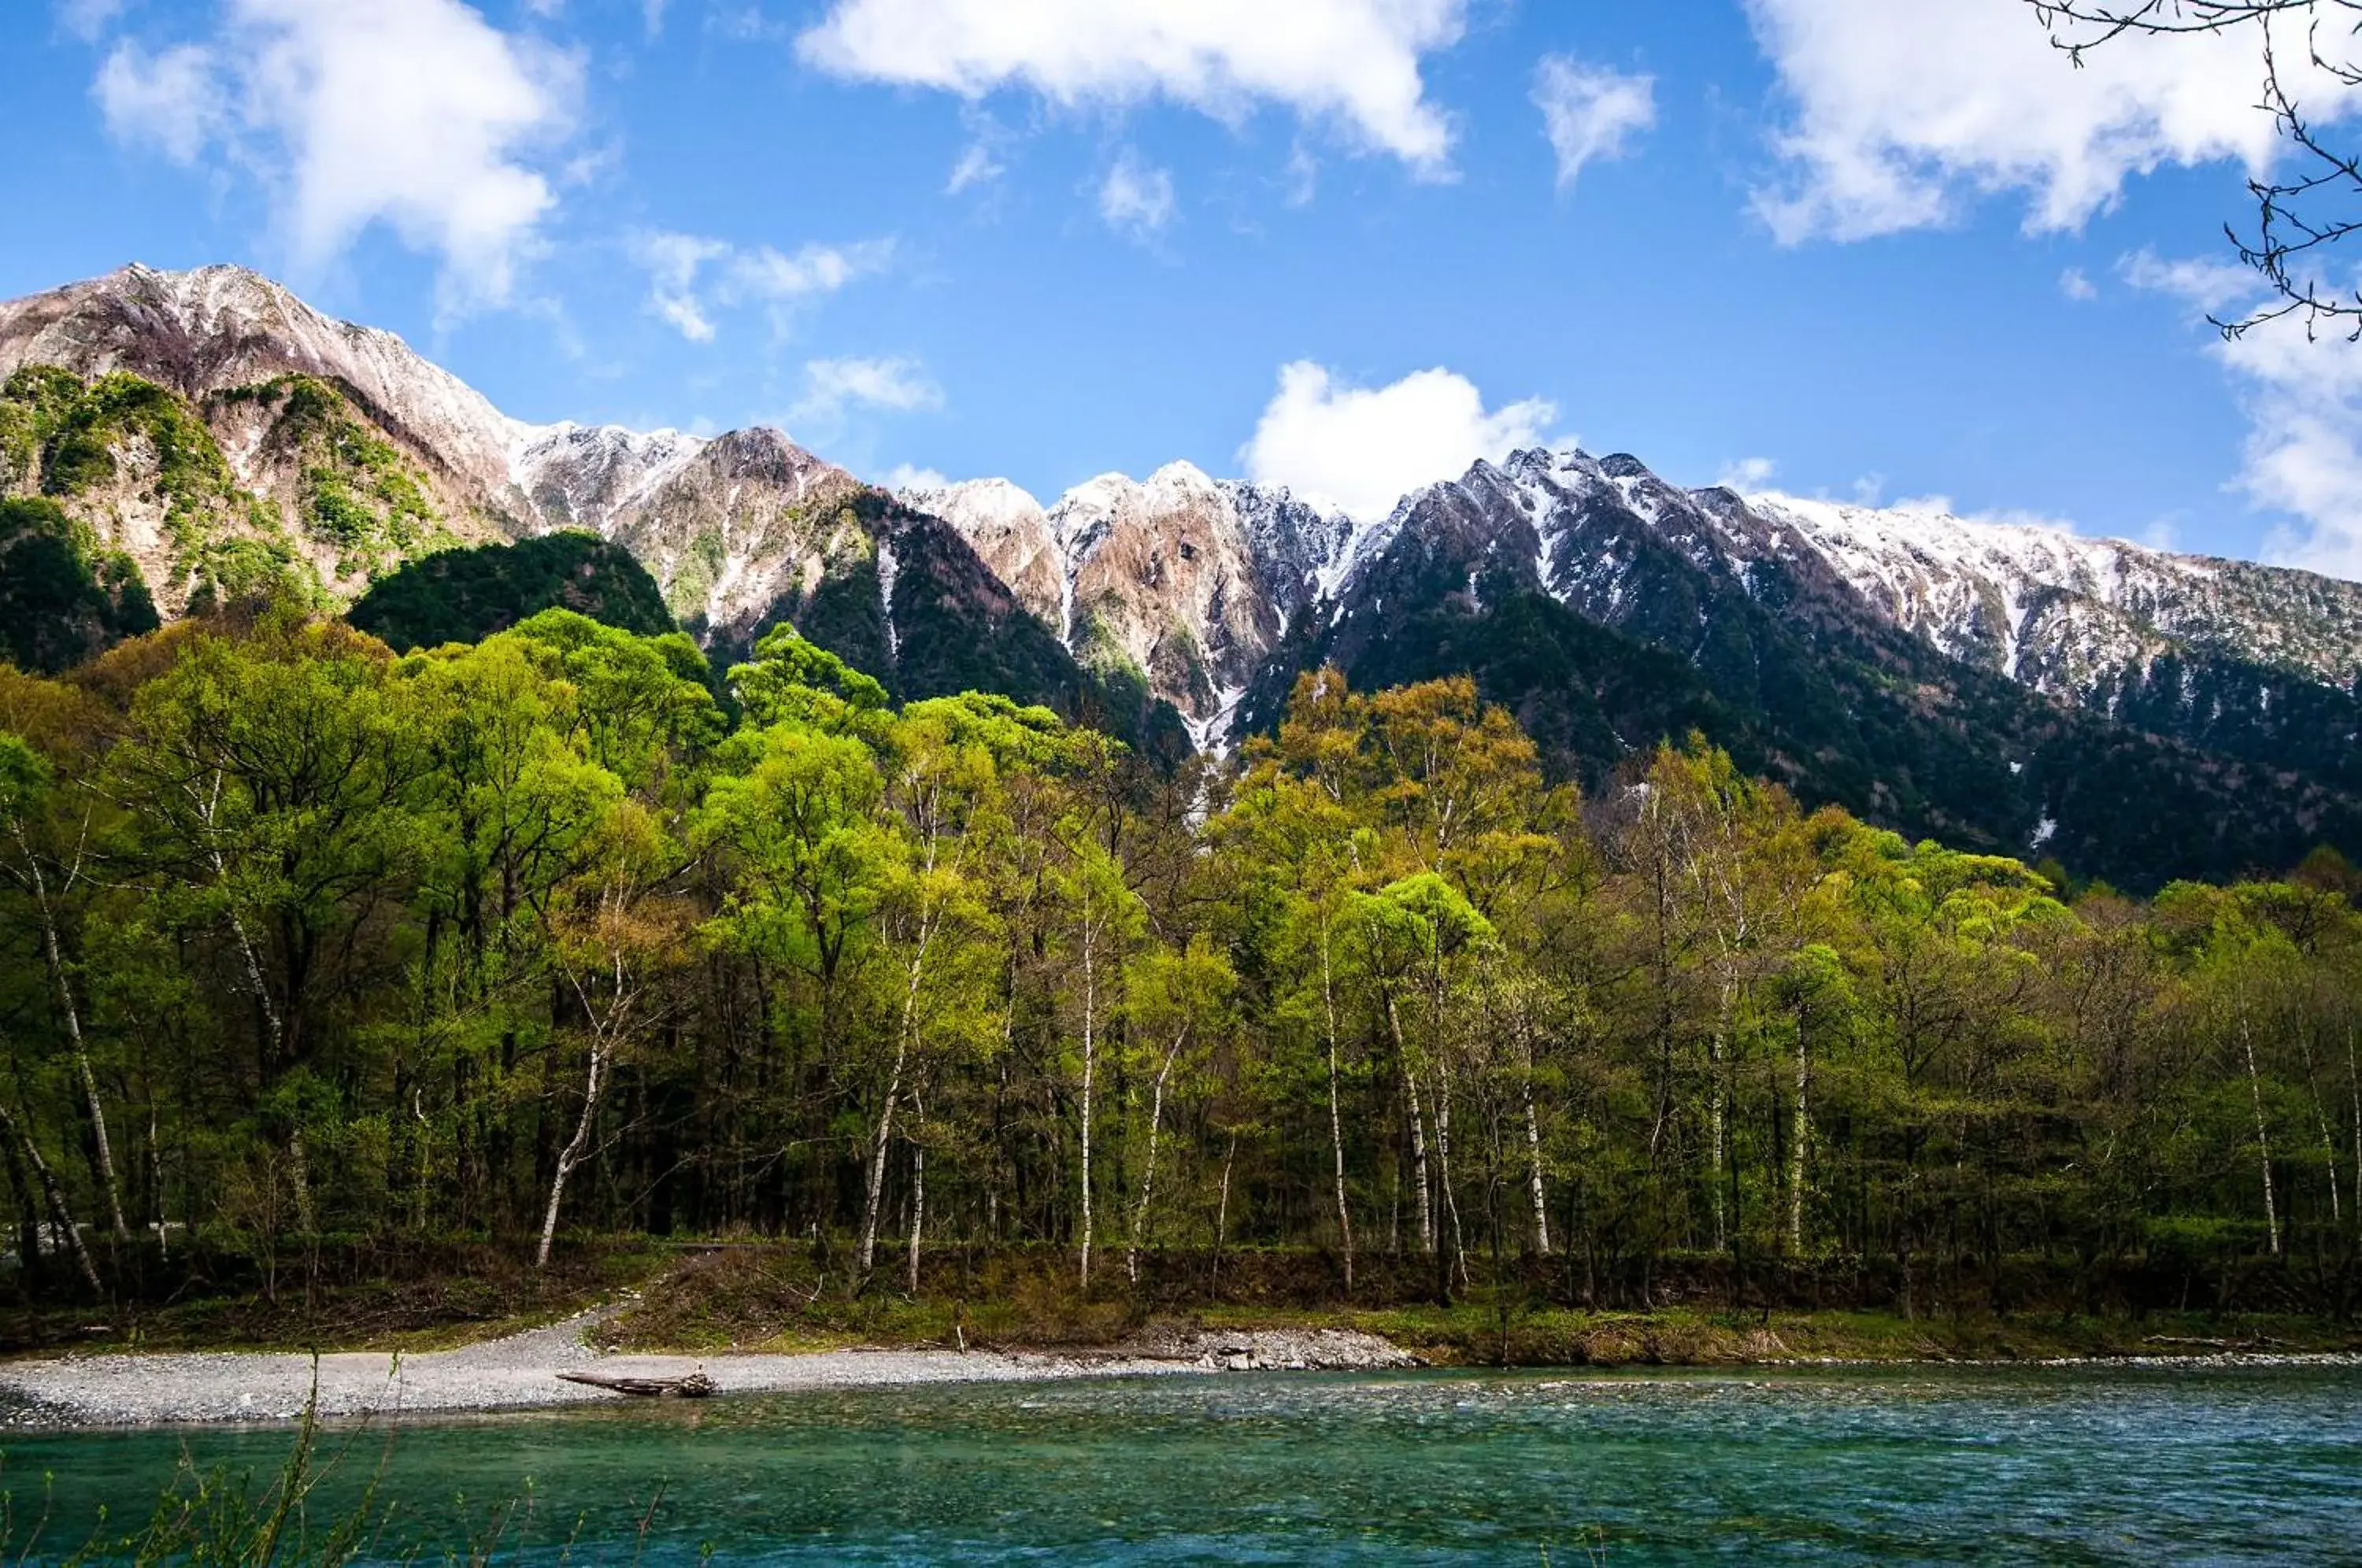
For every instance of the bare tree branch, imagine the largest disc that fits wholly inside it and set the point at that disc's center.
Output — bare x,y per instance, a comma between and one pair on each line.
2303,213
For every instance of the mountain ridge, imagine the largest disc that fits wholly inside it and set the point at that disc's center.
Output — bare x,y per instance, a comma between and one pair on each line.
339,451
1885,659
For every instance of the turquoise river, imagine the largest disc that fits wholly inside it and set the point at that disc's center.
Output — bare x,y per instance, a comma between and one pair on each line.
2150,1465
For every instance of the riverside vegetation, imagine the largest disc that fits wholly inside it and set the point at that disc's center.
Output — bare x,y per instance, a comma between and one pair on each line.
325,965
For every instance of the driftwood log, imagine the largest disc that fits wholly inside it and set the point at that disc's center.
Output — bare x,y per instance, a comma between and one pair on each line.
696,1385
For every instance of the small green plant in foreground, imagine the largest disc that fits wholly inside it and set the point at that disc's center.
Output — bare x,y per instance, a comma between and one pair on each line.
218,1516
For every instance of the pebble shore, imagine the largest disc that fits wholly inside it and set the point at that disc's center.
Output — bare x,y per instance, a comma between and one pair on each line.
520,1370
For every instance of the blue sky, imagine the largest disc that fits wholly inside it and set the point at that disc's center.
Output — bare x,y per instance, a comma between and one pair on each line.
1835,247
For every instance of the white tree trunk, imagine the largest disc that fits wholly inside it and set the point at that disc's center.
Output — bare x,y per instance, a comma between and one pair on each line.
603,1037
1796,1152
918,1189
2263,1138
61,1217
2328,1139
1418,1129
880,1141
53,952
298,1168
1090,1078
1534,1172
1336,1116
1716,1137
1222,1209
1148,1176
571,1155
1443,1167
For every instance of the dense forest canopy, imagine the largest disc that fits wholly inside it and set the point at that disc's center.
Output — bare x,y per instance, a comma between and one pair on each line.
465,595
554,934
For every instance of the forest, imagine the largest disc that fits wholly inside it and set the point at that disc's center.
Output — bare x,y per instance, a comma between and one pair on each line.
563,935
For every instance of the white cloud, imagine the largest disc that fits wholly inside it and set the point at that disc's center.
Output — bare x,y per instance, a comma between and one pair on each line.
834,386
1901,110
677,266
673,262
2075,286
1136,199
2304,454
1303,176
1748,475
88,20
2301,394
765,274
976,166
903,478
415,114
2209,283
1364,448
172,100
1589,111
1354,63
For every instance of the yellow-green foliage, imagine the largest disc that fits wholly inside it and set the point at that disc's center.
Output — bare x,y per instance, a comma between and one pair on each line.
545,933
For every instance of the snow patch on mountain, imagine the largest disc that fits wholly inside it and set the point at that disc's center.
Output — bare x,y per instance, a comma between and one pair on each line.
2054,609
888,566
589,476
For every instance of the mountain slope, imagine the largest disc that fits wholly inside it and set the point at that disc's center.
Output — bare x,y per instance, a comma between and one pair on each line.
1759,636
2137,712
217,328
217,434
217,495
1180,582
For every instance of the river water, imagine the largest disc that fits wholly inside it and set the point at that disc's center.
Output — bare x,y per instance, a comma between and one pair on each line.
2150,1465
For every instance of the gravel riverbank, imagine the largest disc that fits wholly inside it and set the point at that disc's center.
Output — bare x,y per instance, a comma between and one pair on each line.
520,1370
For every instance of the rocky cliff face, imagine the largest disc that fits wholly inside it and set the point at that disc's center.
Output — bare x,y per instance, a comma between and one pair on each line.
1010,534
747,521
1180,581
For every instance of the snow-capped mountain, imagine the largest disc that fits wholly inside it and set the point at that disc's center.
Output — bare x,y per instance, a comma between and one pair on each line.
593,476
1187,580
245,429
1983,681
727,525
2063,612
1983,684
218,328
2070,616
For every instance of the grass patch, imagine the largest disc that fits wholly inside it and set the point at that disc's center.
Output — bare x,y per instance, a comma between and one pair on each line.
752,1298
456,1296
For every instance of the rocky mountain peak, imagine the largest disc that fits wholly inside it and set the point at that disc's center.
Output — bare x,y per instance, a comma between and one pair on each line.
217,328
577,476
2067,613
1183,581
1010,532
